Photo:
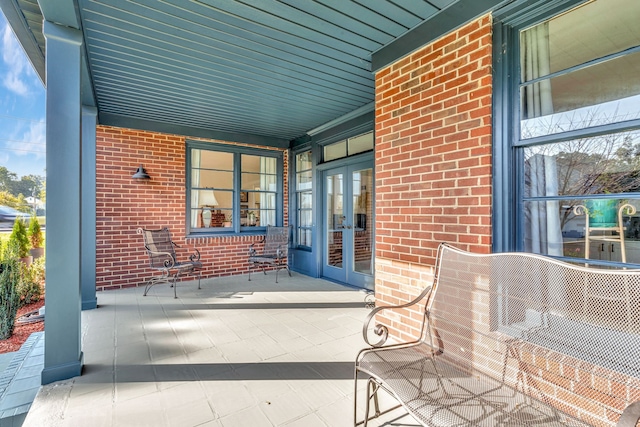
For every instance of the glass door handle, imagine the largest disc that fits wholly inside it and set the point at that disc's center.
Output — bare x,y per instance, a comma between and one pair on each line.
348,227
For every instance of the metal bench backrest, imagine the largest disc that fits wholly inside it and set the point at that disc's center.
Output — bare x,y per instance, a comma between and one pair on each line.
524,319
160,247
276,239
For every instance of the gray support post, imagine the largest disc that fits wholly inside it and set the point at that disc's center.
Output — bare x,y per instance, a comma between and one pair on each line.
63,352
88,209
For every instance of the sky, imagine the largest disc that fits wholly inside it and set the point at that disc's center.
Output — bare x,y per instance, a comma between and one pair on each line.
22,109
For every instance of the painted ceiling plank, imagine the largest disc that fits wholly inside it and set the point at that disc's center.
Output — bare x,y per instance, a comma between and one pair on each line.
307,20
153,57
291,28
380,18
344,21
147,40
290,49
218,75
231,104
395,12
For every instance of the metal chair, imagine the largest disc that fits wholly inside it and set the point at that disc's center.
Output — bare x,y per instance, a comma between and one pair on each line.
275,252
162,257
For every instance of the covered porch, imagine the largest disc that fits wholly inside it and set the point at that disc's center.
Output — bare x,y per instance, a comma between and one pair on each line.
235,353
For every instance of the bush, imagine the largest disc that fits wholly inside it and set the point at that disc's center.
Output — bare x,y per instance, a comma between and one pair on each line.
35,233
31,278
19,238
9,297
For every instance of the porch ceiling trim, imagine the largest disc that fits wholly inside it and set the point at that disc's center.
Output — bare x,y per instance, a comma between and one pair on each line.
449,19
110,119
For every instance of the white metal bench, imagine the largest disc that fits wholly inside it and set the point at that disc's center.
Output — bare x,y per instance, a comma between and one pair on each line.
505,340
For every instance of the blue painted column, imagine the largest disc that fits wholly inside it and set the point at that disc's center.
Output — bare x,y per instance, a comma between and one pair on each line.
88,209
63,353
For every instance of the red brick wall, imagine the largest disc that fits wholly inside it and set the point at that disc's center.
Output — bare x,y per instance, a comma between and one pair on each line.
433,161
124,204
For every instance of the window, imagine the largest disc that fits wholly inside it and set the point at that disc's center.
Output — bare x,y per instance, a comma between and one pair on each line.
348,147
304,199
232,189
575,149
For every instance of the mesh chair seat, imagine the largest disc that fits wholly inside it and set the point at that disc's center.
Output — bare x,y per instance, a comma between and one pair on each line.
162,257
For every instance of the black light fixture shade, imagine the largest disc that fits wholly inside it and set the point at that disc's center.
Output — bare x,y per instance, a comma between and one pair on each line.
141,173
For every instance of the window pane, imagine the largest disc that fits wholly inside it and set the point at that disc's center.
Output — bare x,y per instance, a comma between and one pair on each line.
605,93
303,161
305,200
605,164
560,228
211,179
568,42
304,180
360,144
219,160
259,182
336,150
258,173
304,218
304,237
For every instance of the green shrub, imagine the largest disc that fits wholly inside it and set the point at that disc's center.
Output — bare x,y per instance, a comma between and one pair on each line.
30,284
19,238
35,233
9,297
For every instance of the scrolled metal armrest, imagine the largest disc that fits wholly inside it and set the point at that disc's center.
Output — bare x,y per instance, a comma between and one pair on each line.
195,257
381,330
252,250
169,262
630,416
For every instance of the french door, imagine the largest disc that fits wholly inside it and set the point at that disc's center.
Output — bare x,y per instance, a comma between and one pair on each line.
348,225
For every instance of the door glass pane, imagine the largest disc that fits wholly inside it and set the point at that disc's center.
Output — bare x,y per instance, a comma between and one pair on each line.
335,220
362,184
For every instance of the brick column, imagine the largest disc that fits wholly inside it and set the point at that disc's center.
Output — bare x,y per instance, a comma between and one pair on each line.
433,160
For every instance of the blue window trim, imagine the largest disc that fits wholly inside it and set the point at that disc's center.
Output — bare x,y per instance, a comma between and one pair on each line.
237,151
508,175
293,200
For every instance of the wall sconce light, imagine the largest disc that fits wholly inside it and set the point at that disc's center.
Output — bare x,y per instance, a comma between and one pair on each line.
141,173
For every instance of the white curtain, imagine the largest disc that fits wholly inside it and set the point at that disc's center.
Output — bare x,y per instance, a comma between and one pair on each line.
543,234
267,183
536,98
195,183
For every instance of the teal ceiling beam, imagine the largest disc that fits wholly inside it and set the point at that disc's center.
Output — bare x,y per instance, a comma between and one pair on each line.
110,119
454,16
17,20
61,12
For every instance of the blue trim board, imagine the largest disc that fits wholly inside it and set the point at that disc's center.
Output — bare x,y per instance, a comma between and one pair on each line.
438,25
116,120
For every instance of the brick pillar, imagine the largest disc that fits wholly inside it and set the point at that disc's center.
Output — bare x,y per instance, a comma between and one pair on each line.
433,161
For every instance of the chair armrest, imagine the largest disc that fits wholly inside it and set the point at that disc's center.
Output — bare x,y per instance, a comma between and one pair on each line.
381,330
630,416
195,257
169,262
252,250
280,251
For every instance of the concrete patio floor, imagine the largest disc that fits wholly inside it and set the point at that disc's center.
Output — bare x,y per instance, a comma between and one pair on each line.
235,353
